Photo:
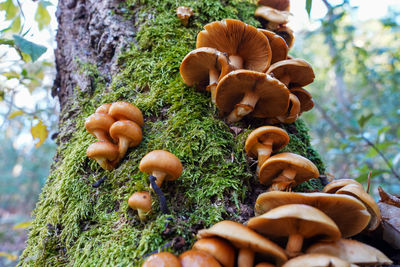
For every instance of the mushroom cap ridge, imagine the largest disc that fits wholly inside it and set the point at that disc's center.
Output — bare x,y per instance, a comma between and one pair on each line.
163,161
350,215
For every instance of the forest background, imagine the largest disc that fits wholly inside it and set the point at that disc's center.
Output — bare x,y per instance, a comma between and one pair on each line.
355,124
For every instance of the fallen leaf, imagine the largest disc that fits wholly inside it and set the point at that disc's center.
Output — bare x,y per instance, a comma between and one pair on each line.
39,131
390,213
388,198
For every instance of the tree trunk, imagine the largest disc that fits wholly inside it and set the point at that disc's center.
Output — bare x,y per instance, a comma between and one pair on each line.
109,51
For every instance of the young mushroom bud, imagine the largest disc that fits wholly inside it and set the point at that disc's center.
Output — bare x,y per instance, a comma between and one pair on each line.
104,153
184,13
140,201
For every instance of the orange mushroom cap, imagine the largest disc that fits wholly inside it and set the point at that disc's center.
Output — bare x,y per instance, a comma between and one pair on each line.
104,153
103,108
305,98
278,45
287,34
218,248
292,72
277,17
283,5
140,201
126,111
184,13
197,258
98,124
162,259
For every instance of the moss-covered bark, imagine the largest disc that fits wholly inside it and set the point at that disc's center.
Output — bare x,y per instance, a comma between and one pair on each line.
76,224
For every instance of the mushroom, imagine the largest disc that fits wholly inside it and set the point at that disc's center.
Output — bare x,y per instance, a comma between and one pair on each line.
140,201
292,72
244,91
349,214
103,108
126,111
218,248
272,18
286,170
263,141
98,124
317,260
357,191
246,47
279,47
104,153
205,66
293,111
298,222
184,13
287,34
335,185
126,134
246,240
305,98
197,258
352,251
162,259
283,5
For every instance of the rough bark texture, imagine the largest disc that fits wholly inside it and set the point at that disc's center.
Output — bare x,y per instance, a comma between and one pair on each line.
131,51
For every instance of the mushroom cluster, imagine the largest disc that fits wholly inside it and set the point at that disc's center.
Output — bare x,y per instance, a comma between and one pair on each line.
232,61
117,126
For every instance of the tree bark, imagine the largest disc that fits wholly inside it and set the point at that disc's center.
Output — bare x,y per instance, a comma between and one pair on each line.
131,51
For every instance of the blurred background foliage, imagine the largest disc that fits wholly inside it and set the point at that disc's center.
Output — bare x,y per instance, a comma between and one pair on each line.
355,124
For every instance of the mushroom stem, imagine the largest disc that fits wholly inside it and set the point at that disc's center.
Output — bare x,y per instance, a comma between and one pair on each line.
213,81
245,106
157,190
284,180
264,150
294,245
123,145
104,163
160,176
101,135
142,215
245,257
236,61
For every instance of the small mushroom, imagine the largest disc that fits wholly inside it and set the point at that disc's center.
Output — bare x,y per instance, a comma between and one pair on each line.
349,214
287,34
103,108
335,185
293,111
317,260
263,141
247,48
244,91
197,258
162,259
286,170
352,251
218,248
126,134
246,240
298,222
279,47
272,18
98,124
140,201
126,111
104,153
205,66
305,98
283,5
292,72
184,13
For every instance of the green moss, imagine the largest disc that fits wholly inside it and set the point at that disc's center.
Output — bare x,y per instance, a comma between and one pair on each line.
79,225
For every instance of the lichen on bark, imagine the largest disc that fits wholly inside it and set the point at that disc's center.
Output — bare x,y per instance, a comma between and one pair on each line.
79,225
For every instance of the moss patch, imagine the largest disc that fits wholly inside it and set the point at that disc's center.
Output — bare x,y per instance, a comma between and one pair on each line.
79,225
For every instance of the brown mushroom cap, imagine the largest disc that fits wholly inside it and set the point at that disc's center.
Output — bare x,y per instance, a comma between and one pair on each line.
98,124
352,251
103,108
272,15
335,185
140,201
348,213
277,165
104,153
287,34
126,111
197,258
184,13
283,5
253,92
243,237
296,221
293,111
317,260
305,98
279,47
218,248
161,161
127,134
292,72
237,39
162,259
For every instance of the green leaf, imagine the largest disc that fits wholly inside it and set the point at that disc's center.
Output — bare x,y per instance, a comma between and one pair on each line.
383,130
6,42
39,131
10,9
354,138
32,49
15,114
308,7
42,16
398,132
16,24
364,176
22,225
364,119
11,75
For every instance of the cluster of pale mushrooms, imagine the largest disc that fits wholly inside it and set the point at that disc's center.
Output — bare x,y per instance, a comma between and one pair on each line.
117,126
